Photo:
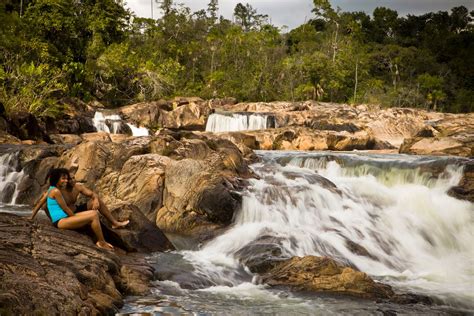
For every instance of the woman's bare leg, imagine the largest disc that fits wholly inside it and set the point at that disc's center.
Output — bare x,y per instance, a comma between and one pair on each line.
85,218
105,211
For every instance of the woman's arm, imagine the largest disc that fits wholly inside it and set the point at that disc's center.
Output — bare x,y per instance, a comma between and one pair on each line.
56,194
39,205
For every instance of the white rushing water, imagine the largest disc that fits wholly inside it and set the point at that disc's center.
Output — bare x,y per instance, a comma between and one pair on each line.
233,122
416,236
138,131
100,123
10,178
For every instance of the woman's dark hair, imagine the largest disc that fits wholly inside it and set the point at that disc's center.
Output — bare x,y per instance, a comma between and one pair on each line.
55,174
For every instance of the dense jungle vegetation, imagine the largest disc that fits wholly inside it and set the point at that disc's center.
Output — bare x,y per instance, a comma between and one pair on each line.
51,50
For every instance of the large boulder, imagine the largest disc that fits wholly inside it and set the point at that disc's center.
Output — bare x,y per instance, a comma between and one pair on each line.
140,234
190,116
201,184
75,124
245,142
323,274
196,199
146,113
140,182
262,254
63,139
452,134
45,270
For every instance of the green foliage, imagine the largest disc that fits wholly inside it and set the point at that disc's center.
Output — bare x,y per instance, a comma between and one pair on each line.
32,88
123,75
93,50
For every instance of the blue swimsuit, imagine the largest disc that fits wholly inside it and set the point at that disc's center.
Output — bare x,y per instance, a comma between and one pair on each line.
55,210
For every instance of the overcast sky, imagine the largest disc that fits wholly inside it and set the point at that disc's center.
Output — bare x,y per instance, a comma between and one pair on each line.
293,13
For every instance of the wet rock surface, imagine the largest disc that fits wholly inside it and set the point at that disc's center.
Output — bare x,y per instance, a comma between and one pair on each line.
325,275
46,270
262,254
465,188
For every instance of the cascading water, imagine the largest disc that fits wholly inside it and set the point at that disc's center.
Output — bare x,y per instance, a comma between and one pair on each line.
138,131
10,177
396,208
100,119
100,123
232,122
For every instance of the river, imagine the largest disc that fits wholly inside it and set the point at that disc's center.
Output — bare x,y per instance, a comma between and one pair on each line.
416,237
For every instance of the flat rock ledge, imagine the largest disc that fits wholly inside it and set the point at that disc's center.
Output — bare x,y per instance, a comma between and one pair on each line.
48,271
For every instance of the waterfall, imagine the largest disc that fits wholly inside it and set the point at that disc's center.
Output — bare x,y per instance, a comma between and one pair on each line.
223,122
138,131
10,178
412,233
100,123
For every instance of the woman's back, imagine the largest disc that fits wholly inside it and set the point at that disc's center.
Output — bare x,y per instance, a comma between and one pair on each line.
55,210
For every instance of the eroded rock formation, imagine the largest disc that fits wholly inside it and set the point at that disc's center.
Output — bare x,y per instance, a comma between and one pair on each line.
185,182
45,270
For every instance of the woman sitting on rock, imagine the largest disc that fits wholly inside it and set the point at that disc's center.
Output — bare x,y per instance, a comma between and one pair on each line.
62,216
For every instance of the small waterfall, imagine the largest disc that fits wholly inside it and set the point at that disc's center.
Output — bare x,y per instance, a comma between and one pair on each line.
232,122
100,123
10,178
138,131
407,229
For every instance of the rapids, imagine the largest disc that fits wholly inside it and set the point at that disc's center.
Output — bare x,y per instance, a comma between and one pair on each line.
396,208
413,235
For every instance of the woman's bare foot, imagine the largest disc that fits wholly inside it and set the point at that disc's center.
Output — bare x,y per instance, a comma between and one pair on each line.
118,224
104,245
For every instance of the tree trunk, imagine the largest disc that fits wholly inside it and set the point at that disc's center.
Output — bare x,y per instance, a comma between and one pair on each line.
355,85
334,44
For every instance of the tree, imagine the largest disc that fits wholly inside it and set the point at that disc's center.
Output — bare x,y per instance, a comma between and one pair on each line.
212,9
432,87
324,10
247,17
384,25
459,19
166,6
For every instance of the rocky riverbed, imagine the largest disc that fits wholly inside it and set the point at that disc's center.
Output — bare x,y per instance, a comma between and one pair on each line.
186,181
